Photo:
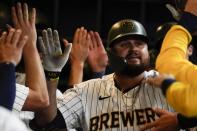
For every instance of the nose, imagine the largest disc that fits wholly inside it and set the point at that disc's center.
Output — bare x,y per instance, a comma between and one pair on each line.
132,45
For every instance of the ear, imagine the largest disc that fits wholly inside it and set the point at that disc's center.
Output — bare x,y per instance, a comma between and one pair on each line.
190,50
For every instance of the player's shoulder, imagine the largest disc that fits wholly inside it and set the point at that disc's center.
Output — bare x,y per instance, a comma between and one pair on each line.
94,82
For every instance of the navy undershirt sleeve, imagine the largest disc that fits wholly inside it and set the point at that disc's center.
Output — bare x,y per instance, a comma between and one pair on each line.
7,85
97,75
166,84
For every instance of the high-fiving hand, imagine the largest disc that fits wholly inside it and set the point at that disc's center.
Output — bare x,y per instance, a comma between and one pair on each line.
22,20
52,56
11,47
80,48
97,57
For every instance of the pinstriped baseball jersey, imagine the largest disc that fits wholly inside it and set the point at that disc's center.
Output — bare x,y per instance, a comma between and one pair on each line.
21,95
98,105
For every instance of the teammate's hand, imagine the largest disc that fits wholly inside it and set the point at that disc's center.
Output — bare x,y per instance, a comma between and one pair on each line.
157,80
22,20
79,52
167,122
97,57
51,53
11,47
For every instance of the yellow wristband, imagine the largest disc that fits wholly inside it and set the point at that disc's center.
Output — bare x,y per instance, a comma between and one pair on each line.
54,79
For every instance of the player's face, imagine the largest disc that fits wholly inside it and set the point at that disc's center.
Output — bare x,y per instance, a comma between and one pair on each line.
135,53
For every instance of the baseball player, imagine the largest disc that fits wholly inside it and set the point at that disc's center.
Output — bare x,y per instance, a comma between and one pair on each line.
11,48
183,70
164,122
174,50
119,101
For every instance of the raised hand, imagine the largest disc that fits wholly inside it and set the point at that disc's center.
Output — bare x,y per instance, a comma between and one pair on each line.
78,56
167,122
26,23
52,56
11,47
97,57
81,41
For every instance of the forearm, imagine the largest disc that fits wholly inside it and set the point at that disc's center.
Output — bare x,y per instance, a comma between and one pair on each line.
49,113
8,85
76,73
175,46
174,52
186,94
50,118
35,80
57,123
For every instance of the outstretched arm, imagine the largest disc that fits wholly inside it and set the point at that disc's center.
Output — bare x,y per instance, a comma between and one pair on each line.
35,78
53,62
180,95
78,56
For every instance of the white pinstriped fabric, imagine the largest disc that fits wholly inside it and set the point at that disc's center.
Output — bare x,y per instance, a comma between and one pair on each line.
78,108
98,105
21,95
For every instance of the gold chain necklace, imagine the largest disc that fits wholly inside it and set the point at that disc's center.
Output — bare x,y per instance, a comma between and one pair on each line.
133,97
134,94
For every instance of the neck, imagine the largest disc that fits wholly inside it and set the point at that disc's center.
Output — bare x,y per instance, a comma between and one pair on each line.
126,83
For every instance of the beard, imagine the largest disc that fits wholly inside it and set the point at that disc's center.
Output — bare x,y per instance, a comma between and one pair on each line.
134,70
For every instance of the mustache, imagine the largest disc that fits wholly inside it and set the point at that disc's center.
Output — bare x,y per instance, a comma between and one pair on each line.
132,55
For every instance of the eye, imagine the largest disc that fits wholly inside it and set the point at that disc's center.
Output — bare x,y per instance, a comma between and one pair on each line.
139,43
124,44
